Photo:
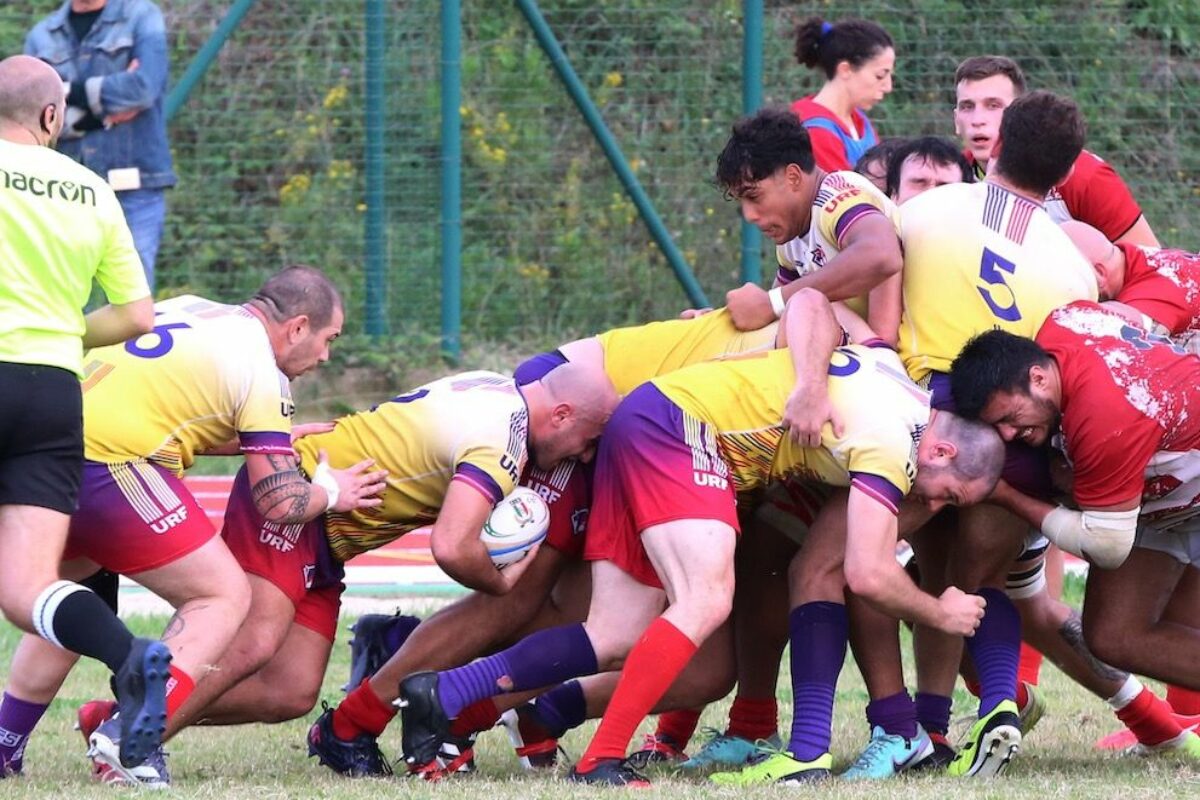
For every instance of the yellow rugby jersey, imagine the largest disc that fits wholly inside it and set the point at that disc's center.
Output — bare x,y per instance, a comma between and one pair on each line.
636,354
472,427
205,375
742,401
976,257
842,199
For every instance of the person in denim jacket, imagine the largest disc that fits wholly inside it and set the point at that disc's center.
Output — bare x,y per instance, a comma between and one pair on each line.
112,57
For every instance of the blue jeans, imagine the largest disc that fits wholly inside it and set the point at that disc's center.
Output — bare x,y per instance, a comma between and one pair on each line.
145,211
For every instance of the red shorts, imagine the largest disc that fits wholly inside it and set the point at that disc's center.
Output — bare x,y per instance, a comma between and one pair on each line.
135,516
655,464
567,492
293,558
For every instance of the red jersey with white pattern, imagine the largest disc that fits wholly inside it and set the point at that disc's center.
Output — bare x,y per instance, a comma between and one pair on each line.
1130,412
567,490
1164,285
1094,193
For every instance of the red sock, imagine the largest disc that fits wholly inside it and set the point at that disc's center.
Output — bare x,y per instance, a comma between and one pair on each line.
753,719
179,688
1022,694
1183,701
1029,668
678,726
973,686
361,712
474,718
652,666
1150,719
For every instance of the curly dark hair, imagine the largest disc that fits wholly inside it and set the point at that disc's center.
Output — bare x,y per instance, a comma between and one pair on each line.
761,145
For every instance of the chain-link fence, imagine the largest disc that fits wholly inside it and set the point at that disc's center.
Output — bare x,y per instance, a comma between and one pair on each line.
269,147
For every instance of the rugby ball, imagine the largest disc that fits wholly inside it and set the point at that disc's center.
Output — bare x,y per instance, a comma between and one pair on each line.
516,524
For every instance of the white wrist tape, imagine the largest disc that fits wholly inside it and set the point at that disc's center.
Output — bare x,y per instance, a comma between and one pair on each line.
1102,537
323,477
777,301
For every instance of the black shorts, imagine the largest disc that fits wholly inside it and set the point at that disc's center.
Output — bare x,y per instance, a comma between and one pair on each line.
41,437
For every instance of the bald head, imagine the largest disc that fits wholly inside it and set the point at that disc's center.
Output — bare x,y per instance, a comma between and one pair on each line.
27,86
584,387
568,409
1106,258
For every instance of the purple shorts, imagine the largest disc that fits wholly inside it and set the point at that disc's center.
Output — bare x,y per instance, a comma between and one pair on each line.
656,463
135,516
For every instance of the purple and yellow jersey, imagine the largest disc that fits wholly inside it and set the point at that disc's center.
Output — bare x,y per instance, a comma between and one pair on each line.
977,257
741,401
842,199
634,355
205,375
470,427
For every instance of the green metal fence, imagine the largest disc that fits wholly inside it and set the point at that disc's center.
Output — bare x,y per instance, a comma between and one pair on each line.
274,143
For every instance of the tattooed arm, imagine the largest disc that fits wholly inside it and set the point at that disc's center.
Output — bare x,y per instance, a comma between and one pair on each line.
281,494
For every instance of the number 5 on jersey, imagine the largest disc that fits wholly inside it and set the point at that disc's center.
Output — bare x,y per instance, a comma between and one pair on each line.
991,269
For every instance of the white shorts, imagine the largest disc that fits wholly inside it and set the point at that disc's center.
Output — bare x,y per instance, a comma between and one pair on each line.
1181,540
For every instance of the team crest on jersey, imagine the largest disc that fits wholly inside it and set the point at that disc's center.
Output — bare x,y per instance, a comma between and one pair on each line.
579,518
817,257
310,570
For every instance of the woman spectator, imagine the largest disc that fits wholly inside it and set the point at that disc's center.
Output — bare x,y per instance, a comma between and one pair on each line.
857,57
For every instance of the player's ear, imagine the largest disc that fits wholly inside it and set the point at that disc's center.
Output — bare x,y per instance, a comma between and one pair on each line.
297,327
1037,376
561,413
945,450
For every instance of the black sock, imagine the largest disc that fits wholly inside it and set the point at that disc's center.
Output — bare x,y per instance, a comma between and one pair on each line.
80,621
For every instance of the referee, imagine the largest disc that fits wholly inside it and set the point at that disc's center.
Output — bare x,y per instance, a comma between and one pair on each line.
60,227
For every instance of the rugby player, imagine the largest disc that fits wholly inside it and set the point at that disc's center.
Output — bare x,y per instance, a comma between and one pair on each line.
833,232
922,164
451,449
1125,402
683,444
61,228
1092,191
1159,289
978,256
209,378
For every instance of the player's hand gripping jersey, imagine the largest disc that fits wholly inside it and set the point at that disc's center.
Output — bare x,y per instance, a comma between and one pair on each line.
636,354
977,256
740,402
205,375
1130,413
842,199
471,427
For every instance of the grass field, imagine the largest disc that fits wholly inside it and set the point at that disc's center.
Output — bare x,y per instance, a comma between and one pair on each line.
266,762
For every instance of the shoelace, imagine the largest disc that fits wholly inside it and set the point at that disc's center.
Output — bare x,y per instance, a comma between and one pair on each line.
875,751
626,769
765,749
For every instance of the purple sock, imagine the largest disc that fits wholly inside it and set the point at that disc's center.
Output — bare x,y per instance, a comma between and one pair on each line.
540,659
996,650
398,631
933,712
18,718
818,634
897,715
562,708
